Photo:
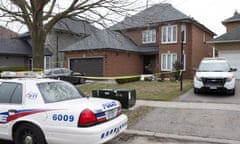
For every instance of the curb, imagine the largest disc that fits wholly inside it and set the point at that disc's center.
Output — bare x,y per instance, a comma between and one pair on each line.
180,137
188,105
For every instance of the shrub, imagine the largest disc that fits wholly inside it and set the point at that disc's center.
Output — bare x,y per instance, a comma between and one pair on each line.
127,79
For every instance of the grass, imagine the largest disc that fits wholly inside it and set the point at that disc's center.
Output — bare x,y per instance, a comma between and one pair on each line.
146,90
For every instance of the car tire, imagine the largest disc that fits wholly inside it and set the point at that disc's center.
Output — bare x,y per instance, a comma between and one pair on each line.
196,91
232,92
28,134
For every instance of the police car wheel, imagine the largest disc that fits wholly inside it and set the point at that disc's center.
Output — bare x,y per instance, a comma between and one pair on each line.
28,134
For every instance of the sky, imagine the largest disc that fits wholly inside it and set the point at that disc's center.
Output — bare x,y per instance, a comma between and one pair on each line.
210,13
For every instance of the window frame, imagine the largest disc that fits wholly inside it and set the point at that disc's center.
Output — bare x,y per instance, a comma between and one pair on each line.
149,36
169,34
184,30
165,64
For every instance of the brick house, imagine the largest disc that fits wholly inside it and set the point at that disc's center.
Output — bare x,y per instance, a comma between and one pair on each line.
228,44
148,42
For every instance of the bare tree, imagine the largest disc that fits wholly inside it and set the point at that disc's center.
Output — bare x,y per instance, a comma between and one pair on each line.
41,15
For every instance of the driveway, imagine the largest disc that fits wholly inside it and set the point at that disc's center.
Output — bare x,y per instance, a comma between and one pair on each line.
212,98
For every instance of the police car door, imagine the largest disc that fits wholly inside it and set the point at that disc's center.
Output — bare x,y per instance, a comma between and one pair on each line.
10,100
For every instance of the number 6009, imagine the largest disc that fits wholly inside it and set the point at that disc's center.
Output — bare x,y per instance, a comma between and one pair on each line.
61,117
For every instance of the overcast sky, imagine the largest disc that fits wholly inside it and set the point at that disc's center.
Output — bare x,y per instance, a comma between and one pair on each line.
210,13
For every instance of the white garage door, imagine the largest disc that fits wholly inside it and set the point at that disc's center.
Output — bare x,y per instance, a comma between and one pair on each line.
233,57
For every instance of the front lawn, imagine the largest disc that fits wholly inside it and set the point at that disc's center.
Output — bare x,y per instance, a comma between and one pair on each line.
147,90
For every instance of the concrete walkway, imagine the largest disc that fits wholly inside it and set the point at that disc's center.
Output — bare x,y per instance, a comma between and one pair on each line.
186,106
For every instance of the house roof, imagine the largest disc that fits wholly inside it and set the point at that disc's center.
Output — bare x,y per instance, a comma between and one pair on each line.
76,26
70,25
14,46
156,14
104,39
159,13
234,18
232,36
148,49
17,47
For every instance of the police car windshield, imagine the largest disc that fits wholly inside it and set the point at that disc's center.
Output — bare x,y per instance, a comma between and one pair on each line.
58,91
214,67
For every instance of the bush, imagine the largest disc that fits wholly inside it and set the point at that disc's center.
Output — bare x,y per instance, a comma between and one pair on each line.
177,67
127,79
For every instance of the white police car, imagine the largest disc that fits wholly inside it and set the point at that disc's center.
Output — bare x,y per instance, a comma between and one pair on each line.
216,75
41,111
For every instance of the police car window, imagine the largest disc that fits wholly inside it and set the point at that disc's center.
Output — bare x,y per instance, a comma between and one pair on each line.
10,93
58,91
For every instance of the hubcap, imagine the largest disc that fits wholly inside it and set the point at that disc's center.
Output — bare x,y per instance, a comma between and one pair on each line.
28,140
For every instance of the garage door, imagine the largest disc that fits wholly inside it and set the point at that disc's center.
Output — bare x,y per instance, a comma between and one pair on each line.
233,58
89,66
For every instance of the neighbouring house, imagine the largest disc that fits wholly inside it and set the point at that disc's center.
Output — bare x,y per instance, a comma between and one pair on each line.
7,33
64,33
228,44
15,52
148,42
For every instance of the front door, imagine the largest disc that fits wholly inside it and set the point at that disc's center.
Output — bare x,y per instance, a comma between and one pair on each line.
149,64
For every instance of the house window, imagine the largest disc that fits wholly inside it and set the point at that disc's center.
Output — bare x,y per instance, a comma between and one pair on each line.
184,61
184,30
169,34
149,36
167,61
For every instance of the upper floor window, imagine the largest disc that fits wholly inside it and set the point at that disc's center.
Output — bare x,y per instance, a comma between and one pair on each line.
149,36
184,33
169,34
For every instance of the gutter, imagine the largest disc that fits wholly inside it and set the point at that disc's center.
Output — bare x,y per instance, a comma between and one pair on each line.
223,41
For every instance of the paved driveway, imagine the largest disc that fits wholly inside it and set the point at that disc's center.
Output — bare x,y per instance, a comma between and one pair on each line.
212,98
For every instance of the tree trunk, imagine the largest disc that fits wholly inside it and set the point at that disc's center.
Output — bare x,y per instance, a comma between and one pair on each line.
38,34
38,40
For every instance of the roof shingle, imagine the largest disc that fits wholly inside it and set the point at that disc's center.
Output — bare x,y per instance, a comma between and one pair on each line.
156,14
234,18
106,39
75,26
232,36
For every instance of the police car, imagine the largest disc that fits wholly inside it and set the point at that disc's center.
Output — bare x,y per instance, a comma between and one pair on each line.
48,111
215,74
